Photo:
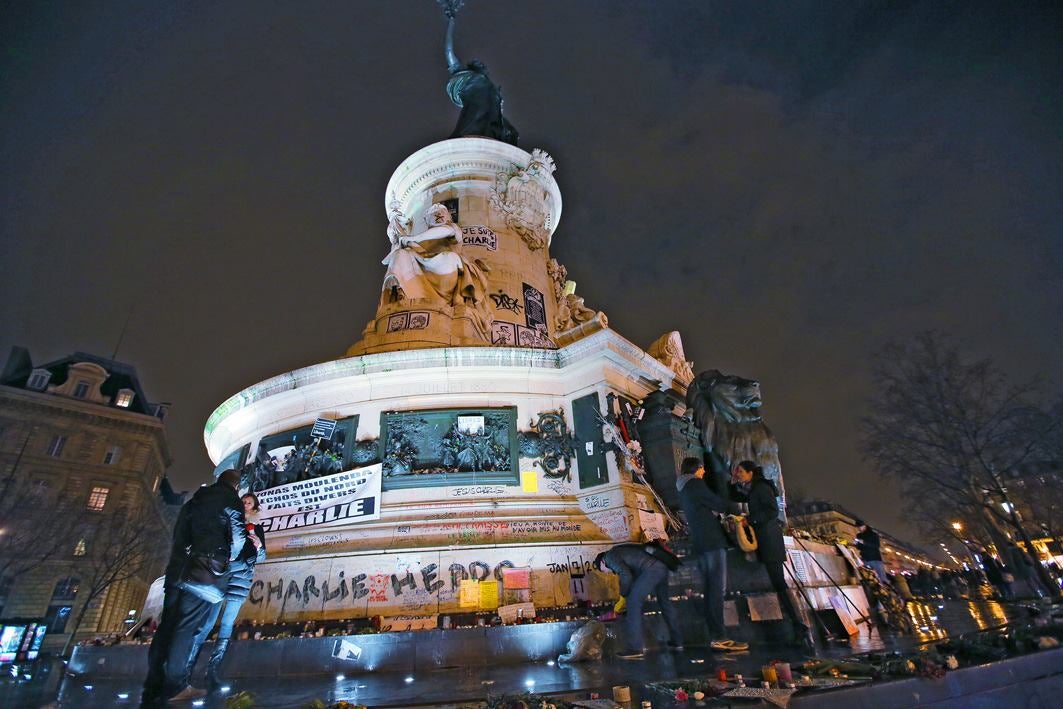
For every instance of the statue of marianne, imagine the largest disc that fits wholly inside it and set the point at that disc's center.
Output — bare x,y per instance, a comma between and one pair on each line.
430,265
471,90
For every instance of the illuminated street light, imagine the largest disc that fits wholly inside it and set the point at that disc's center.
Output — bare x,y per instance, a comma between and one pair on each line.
958,526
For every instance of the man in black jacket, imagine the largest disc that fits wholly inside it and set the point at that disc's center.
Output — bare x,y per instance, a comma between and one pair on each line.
700,507
641,574
210,530
870,547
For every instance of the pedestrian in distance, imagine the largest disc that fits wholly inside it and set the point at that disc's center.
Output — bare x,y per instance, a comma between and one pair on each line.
870,548
643,571
702,507
209,534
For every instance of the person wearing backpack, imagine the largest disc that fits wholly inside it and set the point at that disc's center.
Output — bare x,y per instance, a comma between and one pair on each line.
643,571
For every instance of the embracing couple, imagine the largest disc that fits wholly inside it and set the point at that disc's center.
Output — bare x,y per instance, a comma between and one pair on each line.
216,544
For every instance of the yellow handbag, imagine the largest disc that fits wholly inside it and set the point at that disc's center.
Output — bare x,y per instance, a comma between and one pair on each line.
741,531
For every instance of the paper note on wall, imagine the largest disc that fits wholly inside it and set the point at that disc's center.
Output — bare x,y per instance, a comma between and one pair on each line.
516,578
488,595
469,594
652,525
529,481
516,611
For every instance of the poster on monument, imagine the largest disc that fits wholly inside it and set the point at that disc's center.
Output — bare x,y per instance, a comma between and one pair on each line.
352,496
534,308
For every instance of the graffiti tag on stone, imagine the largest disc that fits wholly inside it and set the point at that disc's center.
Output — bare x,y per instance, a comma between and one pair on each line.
505,302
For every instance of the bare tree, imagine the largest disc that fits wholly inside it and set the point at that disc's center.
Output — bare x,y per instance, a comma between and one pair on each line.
119,547
949,431
29,537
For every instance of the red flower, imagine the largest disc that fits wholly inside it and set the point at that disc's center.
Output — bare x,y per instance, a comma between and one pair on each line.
681,695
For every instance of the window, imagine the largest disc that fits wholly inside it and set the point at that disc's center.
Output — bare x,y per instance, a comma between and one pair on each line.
55,448
39,379
81,389
40,487
98,498
66,590
112,455
124,398
449,447
80,548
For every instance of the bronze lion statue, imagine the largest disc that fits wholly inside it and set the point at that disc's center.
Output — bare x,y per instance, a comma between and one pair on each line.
726,409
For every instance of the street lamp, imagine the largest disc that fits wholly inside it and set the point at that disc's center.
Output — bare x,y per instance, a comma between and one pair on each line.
958,526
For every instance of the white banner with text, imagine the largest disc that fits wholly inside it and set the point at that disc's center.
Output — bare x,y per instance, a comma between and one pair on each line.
353,496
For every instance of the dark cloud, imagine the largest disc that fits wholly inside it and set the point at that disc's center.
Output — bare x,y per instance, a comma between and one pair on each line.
790,185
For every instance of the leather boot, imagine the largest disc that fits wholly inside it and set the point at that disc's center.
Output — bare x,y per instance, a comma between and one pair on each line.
214,664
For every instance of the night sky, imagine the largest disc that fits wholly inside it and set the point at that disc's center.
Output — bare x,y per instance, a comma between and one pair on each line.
790,185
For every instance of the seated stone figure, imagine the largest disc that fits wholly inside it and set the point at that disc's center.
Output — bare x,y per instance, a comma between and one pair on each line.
429,266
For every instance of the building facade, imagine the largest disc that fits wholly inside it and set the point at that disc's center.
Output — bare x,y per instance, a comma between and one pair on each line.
83,454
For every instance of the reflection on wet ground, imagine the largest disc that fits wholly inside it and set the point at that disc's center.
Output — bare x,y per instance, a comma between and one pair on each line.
934,619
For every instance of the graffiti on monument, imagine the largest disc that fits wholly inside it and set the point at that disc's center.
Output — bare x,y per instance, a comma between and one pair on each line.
415,584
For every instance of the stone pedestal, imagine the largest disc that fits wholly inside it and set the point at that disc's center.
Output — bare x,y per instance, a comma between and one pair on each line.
666,440
507,204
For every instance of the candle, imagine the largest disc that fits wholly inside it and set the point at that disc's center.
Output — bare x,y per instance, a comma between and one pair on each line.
769,674
784,672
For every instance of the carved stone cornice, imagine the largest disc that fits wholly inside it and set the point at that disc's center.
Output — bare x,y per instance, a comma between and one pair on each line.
477,160
48,406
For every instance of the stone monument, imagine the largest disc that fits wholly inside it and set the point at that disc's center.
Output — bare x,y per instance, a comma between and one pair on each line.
478,445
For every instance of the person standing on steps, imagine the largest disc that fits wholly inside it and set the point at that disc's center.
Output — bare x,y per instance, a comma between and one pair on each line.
702,507
870,547
748,485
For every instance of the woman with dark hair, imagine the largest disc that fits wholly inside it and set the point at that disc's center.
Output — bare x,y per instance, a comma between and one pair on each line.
749,485
238,588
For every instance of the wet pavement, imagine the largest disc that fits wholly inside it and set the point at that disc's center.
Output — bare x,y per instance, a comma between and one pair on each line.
934,620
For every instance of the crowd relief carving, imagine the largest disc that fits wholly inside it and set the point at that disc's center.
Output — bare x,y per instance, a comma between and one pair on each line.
668,350
520,196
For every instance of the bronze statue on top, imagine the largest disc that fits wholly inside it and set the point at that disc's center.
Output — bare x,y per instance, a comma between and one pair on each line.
471,90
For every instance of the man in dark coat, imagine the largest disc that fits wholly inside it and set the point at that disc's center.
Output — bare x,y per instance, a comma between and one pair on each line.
751,487
870,547
700,507
210,529
641,574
